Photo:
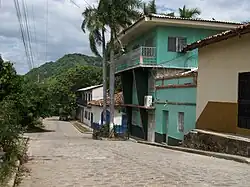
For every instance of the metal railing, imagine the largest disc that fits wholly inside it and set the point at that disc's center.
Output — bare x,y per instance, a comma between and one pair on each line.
140,56
80,101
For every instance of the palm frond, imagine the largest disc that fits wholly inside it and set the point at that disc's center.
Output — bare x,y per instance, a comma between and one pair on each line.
92,43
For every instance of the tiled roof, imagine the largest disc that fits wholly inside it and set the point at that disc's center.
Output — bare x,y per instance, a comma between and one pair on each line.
242,29
191,19
89,88
118,100
162,16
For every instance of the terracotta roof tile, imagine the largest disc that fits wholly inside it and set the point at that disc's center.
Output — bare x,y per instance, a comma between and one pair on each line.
162,16
118,100
242,29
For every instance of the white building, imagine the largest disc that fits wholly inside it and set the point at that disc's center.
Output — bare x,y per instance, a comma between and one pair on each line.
97,109
84,111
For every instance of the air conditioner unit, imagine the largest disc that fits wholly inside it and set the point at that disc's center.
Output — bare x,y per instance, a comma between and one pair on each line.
148,99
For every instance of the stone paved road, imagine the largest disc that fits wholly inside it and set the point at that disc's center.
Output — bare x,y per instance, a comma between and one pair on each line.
66,158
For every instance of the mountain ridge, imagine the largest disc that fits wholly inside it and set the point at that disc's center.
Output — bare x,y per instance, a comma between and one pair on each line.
68,61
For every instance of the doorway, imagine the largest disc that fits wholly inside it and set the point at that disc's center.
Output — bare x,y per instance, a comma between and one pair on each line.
151,126
244,100
166,122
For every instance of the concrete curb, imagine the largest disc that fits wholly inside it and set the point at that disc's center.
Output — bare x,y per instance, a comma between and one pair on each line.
84,126
12,180
200,152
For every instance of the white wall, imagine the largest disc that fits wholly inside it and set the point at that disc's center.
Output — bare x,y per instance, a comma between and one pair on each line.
219,66
97,115
88,120
97,93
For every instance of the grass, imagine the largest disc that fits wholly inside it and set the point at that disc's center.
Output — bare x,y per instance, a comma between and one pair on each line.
9,165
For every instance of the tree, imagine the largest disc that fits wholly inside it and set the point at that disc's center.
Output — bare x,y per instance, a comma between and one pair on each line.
189,13
117,14
149,8
96,25
62,88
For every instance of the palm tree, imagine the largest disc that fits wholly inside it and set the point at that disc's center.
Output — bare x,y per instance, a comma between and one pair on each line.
94,23
189,13
149,8
117,14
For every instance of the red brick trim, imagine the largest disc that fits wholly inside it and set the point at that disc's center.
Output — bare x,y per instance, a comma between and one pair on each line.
176,86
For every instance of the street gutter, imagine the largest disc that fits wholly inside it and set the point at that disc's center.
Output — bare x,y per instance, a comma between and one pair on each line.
200,152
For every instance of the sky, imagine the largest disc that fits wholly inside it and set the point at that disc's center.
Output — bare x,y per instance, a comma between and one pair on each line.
64,33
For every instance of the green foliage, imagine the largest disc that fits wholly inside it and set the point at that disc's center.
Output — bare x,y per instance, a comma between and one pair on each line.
149,8
68,61
10,127
62,88
102,132
189,13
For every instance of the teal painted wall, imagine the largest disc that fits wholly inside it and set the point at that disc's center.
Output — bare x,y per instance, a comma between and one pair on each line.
174,59
143,38
185,95
160,36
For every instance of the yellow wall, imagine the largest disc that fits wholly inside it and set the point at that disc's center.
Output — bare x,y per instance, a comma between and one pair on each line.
219,65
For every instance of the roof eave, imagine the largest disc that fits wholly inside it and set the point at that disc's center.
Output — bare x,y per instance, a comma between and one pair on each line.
212,40
220,25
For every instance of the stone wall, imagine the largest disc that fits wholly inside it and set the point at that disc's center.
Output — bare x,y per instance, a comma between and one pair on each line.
217,142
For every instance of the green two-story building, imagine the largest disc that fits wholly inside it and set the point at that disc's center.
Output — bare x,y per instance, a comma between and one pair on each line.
154,46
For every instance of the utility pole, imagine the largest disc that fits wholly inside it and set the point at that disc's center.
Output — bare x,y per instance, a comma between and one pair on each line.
112,83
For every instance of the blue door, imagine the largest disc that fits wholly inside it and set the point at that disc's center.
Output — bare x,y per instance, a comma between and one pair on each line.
124,123
107,119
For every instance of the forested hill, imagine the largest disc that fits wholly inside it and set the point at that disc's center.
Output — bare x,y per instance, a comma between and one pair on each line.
68,61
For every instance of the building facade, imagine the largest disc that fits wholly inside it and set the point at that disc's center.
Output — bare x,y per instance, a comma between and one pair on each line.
84,95
223,91
97,110
153,48
175,106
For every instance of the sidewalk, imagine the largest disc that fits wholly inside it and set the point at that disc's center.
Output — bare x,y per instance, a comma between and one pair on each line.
82,127
195,151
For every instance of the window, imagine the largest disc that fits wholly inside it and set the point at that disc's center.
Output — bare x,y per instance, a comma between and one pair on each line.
176,44
89,116
89,97
92,117
181,121
86,114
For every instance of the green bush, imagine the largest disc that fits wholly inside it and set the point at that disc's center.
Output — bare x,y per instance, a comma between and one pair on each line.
10,137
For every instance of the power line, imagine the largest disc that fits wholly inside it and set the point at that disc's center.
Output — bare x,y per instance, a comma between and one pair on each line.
46,31
25,11
35,38
19,17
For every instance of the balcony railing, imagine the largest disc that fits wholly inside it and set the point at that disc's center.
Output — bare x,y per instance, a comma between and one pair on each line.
80,101
139,56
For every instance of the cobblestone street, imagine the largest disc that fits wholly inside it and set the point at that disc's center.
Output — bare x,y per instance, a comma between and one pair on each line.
67,158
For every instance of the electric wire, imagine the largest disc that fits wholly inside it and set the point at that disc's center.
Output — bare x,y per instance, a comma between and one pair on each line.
22,30
46,30
25,11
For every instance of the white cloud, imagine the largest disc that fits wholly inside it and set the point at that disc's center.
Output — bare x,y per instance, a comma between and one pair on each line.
65,35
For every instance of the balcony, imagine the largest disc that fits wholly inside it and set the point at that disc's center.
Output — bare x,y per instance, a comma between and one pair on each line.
140,57
80,101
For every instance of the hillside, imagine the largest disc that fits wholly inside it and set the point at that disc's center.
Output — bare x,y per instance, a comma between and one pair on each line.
68,61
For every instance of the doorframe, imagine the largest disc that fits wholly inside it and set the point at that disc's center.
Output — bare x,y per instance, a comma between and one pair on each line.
246,100
151,127
165,120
